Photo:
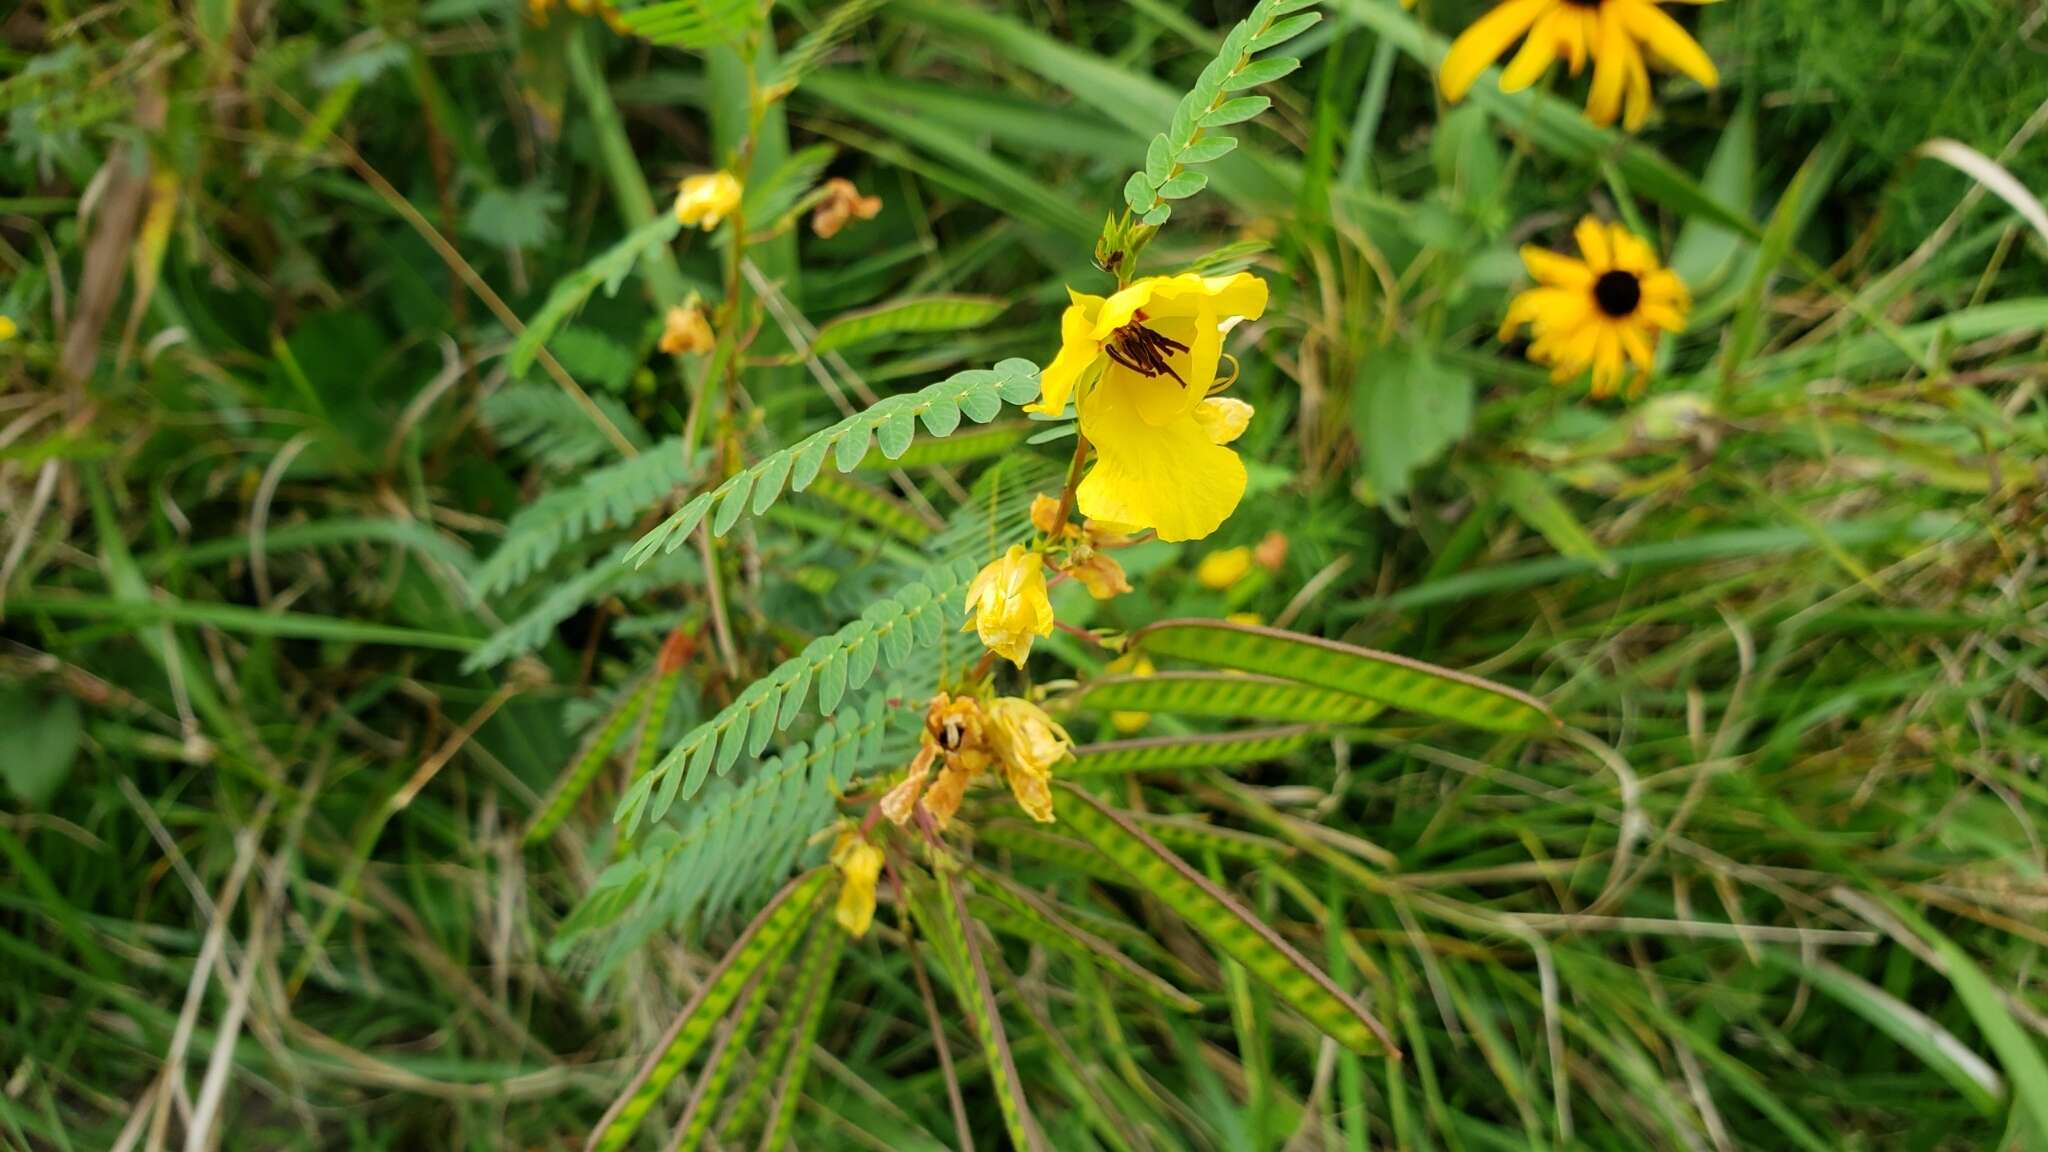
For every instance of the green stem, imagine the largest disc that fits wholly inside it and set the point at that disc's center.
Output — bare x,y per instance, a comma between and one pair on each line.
629,186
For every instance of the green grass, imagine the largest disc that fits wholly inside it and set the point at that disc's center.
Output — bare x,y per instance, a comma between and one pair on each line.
269,757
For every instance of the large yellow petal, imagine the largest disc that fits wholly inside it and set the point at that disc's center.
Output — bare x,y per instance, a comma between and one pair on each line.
1483,43
1538,53
1124,304
1555,270
1669,40
1593,246
1610,70
1170,478
1078,352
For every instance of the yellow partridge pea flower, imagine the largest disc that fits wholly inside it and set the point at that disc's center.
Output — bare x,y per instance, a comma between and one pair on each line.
1027,743
706,200
1139,366
860,865
1600,312
1615,34
1010,605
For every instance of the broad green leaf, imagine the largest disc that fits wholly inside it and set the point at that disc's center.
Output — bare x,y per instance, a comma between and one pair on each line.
917,314
1214,694
42,738
1224,922
1536,501
1363,672
1408,408
1706,252
1153,753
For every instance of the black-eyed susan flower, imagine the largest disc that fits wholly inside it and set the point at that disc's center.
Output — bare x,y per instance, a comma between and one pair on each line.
1009,603
1616,35
1140,366
1027,743
705,200
860,865
1600,312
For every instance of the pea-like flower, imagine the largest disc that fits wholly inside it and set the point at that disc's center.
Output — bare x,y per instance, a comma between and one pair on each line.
685,331
860,865
842,202
706,200
1027,743
1010,605
1140,366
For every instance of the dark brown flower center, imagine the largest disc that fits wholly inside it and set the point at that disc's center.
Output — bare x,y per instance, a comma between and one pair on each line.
1142,350
1583,3
1617,293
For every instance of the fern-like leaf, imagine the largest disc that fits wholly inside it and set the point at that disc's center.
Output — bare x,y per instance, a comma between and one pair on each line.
978,394
544,424
810,51
693,24
536,626
888,633
730,847
1172,155
608,270
604,498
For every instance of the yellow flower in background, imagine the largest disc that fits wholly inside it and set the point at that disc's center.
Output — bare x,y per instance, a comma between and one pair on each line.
1223,568
1600,312
1009,604
706,200
1140,366
859,864
685,330
1616,35
8,329
1027,743
1139,665
842,202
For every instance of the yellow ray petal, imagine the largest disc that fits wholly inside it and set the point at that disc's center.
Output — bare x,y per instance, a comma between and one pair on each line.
1555,269
1669,40
1592,238
1483,42
1538,53
1610,69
